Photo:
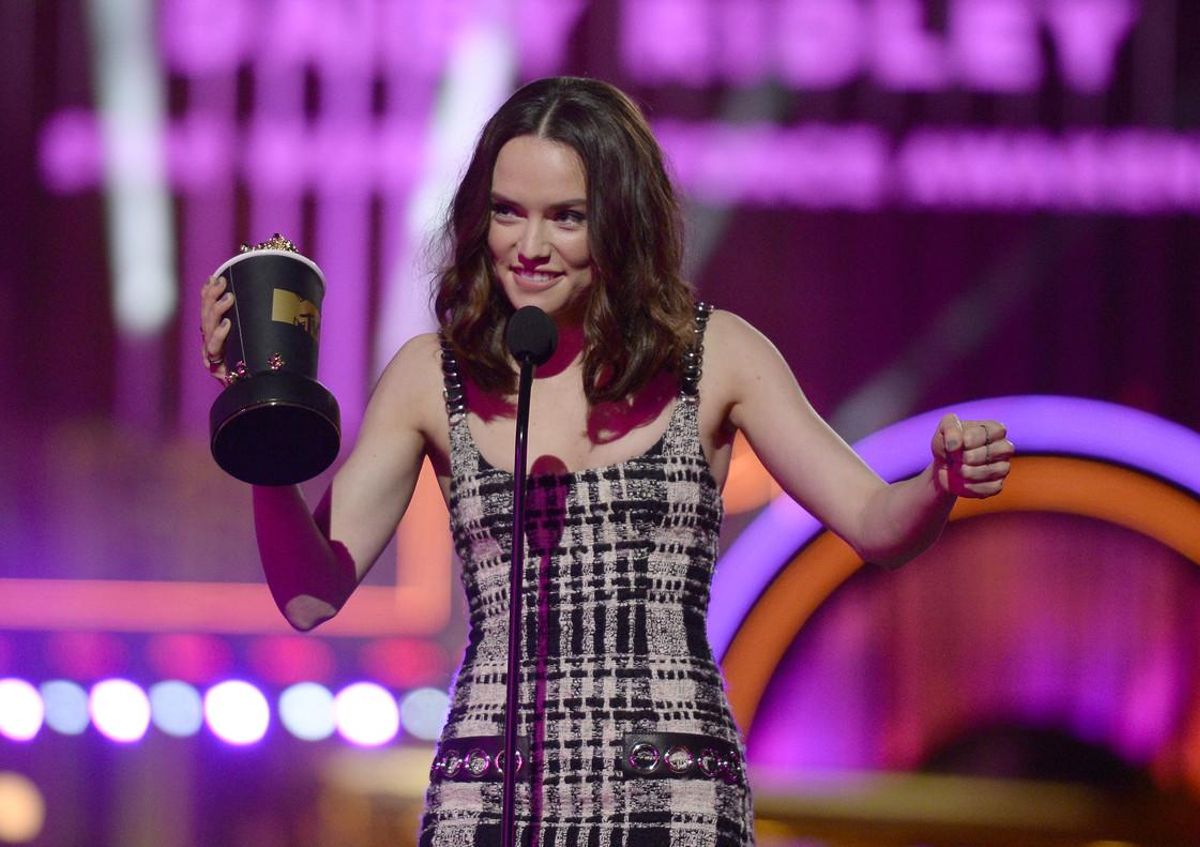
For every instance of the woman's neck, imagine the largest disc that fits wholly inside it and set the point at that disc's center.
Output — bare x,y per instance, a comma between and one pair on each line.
567,352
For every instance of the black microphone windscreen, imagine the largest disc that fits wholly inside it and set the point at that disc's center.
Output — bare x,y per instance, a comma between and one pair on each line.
531,335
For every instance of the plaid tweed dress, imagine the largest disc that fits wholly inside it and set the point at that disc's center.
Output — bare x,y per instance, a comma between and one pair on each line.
616,581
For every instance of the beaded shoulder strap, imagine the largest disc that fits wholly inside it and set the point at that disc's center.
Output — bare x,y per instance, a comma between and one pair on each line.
693,358
452,390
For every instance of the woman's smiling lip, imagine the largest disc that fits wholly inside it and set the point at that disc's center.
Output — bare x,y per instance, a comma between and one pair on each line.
535,279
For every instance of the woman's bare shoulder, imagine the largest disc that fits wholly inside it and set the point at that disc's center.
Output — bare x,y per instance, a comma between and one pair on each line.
418,358
728,328
733,349
411,384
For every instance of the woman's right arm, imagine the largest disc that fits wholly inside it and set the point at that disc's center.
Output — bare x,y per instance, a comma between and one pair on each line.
313,560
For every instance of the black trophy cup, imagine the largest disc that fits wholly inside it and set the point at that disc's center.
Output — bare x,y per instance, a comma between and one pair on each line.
274,424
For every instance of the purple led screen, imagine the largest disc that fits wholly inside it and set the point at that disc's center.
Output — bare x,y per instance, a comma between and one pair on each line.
919,202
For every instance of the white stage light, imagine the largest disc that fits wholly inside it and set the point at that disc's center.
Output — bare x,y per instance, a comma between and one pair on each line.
423,711
66,706
175,708
131,94
366,714
237,712
306,709
120,710
21,710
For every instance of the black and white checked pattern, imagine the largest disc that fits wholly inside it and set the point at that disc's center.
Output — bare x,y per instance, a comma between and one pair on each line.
616,584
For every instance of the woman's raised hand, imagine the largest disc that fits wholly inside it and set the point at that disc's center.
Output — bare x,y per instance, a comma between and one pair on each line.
971,458
215,301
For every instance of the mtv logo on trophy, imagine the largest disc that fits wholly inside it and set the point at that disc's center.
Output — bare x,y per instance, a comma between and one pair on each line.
274,424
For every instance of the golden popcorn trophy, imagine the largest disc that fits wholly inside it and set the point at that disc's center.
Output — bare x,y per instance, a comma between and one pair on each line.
274,424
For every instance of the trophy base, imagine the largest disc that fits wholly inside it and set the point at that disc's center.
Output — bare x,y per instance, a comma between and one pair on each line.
275,428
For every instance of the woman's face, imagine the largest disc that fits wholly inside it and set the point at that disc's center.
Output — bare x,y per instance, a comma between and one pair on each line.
538,235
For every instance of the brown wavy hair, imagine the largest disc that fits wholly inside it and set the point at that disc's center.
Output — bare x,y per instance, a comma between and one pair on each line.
638,314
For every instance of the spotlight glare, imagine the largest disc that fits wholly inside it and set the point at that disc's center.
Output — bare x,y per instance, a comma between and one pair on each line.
120,710
21,710
66,706
306,709
175,708
237,712
423,711
366,714
22,809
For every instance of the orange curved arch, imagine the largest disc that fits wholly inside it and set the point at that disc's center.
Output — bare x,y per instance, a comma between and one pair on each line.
1037,484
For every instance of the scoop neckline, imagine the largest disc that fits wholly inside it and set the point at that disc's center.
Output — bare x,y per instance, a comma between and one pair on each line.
656,448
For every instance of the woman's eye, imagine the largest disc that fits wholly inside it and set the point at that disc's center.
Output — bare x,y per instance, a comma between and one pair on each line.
572,217
502,210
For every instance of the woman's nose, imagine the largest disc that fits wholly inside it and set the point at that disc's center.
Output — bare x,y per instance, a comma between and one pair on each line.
532,247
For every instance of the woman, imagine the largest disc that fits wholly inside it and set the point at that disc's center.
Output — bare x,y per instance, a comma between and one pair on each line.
626,736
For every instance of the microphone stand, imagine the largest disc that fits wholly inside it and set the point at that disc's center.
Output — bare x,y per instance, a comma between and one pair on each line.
512,691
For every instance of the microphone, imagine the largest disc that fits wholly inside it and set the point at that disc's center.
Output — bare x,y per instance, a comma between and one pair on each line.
531,335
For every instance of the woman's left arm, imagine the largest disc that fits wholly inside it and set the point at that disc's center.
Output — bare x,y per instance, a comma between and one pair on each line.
750,387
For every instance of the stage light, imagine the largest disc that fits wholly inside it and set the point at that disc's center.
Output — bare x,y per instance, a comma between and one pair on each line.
120,710
306,710
21,710
175,708
192,657
83,655
66,706
22,809
131,94
366,714
286,659
237,712
423,711
479,68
